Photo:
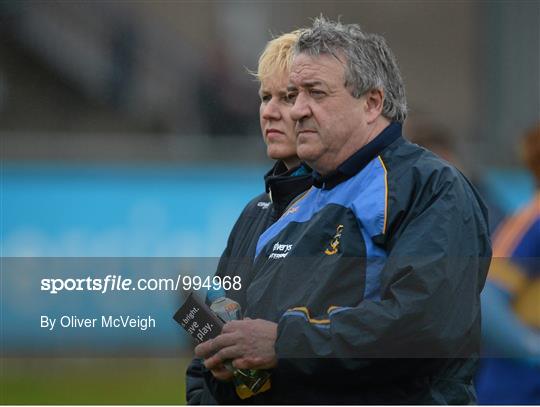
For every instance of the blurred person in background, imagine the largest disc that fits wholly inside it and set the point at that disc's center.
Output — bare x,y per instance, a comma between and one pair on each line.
286,180
223,100
511,301
426,132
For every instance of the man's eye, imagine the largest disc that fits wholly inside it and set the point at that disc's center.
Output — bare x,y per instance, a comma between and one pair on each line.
265,98
316,93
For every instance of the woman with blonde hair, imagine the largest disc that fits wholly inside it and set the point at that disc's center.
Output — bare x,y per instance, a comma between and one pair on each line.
285,181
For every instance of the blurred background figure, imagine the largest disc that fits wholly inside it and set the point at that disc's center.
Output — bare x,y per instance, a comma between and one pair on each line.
424,130
224,102
511,301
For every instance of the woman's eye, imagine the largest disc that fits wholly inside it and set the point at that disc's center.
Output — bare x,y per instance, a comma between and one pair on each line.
291,97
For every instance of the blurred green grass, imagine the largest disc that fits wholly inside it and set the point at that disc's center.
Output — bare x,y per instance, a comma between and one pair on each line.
92,380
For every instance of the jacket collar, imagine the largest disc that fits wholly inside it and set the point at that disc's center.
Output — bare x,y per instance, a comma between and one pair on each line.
283,185
356,162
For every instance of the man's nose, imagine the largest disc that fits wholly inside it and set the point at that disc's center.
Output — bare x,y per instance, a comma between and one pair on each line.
271,111
300,110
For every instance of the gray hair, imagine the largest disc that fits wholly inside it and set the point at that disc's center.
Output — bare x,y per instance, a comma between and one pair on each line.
370,63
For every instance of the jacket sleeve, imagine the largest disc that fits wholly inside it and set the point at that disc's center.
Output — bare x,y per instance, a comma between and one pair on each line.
438,253
194,382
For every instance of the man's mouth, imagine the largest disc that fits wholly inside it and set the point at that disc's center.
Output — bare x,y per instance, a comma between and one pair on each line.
305,131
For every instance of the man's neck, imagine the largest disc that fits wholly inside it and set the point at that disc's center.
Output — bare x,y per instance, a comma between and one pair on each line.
356,143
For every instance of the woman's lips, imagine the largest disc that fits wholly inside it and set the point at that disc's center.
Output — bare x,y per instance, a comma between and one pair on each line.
273,134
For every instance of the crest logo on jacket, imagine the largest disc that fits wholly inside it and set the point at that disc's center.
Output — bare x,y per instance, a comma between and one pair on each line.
334,243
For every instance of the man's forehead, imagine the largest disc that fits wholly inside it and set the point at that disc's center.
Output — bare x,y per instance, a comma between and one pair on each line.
315,69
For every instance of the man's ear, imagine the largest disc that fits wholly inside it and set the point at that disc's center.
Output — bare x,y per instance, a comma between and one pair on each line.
374,104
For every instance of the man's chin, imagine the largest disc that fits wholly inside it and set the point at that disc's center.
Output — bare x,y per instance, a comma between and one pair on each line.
306,154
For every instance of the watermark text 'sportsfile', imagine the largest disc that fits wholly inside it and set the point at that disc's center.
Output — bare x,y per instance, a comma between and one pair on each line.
113,282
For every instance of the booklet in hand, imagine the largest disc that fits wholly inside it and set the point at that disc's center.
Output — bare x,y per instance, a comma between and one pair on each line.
198,319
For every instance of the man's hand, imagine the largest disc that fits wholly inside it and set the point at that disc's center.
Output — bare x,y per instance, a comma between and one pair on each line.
220,372
216,367
249,343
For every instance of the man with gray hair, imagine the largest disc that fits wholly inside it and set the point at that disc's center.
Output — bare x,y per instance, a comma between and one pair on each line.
366,290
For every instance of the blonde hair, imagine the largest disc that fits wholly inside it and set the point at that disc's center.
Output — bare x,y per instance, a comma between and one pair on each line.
277,56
